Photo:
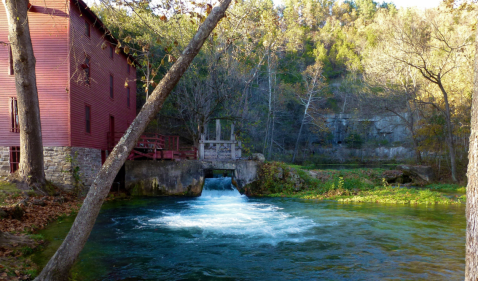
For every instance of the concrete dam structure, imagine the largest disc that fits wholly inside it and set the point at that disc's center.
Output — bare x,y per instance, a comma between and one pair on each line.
185,177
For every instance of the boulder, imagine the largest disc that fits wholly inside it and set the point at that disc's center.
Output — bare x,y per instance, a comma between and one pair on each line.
279,173
258,157
424,173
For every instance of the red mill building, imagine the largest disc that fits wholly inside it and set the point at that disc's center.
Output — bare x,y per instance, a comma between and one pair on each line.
81,87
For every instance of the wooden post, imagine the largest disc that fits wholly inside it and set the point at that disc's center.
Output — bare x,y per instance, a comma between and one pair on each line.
218,136
201,147
233,145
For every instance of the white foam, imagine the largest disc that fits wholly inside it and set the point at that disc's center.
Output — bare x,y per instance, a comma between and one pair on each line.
222,211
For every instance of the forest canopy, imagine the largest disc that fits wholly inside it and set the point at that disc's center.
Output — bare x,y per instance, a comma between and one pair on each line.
375,59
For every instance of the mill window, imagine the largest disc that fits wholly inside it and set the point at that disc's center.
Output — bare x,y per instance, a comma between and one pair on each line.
111,87
14,120
86,68
88,119
10,60
14,158
112,51
87,29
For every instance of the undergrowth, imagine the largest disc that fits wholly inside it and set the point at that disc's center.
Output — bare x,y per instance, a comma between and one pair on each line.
354,185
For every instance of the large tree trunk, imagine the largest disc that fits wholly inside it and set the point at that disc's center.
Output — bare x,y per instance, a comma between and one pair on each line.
450,142
31,147
60,264
471,268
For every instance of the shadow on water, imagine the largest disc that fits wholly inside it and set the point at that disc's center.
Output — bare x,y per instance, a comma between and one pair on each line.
223,235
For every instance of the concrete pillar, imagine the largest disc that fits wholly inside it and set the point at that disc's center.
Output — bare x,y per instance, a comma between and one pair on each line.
201,147
233,148
239,152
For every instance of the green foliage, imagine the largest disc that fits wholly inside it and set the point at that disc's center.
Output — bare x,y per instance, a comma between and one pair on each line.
230,76
397,195
26,251
354,140
354,185
75,171
273,179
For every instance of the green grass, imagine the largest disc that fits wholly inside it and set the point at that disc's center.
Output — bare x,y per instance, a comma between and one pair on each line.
6,189
36,236
354,185
380,194
398,195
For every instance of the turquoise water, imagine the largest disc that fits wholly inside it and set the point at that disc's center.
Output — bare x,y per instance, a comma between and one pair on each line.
225,236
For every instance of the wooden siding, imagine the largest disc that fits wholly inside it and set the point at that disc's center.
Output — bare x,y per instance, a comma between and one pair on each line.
48,22
97,94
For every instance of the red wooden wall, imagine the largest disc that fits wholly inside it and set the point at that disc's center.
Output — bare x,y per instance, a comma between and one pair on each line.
49,32
60,45
97,94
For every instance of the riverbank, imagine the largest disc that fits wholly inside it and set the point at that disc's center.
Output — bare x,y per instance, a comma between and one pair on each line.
22,214
351,185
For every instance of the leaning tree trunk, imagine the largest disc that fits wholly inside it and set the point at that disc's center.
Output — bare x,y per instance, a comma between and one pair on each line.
60,264
471,268
298,137
31,148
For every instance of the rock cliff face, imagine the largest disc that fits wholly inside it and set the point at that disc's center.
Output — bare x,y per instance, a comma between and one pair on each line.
377,138
388,128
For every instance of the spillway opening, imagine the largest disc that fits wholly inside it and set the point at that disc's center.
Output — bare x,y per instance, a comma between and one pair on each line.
209,173
219,187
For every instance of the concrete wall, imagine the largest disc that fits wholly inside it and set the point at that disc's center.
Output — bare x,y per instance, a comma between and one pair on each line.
185,177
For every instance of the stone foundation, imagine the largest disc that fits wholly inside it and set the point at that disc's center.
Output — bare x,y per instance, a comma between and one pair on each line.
89,161
4,162
61,162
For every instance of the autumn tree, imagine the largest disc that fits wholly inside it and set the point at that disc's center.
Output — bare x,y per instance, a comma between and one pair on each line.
430,43
31,169
310,98
392,88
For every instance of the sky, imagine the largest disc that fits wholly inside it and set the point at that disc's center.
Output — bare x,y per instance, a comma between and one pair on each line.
399,3
417,3
402,3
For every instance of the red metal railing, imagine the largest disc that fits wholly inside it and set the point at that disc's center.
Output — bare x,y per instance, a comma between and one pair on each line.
154,146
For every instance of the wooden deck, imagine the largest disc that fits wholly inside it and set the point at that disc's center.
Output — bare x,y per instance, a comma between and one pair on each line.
155,147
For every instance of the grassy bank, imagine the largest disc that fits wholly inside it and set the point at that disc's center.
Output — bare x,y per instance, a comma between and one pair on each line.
350,185
22,214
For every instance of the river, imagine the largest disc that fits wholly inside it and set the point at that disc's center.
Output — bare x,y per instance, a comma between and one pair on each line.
222,235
